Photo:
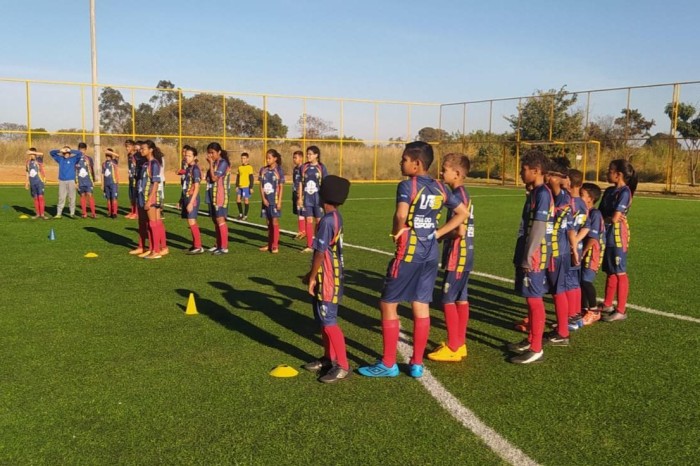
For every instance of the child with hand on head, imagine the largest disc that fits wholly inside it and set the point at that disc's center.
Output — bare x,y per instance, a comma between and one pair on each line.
85,179
325,282
110,182
218,187
36,180
312,174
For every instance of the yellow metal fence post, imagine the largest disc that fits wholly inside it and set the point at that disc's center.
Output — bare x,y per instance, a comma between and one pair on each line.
82,110
179,121
133,116
264,126
376,142
342,137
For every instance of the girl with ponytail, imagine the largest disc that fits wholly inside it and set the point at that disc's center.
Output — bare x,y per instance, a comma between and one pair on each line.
218,187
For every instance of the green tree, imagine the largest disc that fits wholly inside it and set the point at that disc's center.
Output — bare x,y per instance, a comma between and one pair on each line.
115,113
165,96
689,128
549,109
316,127
429,134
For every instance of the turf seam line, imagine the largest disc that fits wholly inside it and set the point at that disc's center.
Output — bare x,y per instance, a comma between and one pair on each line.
465,416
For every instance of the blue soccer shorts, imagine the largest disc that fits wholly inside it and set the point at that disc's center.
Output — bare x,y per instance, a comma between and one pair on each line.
325,313
409,281
243,192
556,274
454,287
270,212
531,284
36,189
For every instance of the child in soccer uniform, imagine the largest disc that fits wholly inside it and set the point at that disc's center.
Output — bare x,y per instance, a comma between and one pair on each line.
182,172
412,272
563,253
189,200
110,182
36,181
244,186
325,282
218,187
150,199
579,216
614,207
593,249
84,179
533,252
271,179
312,174
298,160
458,261
132,151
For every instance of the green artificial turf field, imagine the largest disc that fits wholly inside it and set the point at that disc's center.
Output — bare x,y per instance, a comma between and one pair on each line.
101,365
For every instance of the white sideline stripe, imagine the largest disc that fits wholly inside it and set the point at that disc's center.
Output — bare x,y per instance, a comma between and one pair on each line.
465,416
496,278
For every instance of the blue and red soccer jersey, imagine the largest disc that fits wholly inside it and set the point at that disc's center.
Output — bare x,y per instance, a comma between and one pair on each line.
539,206
590,262
560,263
311,178
192,176
151,173
617,235
85,174
37,177
110,179
271,179
296,179
458,256
329,241
218,191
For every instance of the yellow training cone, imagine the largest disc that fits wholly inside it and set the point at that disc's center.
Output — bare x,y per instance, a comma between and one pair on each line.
284,370
24,216
90,255
191,306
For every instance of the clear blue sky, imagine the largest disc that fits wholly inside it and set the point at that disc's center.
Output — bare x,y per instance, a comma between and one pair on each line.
440,51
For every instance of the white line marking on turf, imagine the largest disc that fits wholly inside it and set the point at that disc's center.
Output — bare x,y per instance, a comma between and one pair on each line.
648,310
465,416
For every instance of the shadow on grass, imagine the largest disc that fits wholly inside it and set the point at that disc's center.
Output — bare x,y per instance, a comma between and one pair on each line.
307,326
23,209
111,237
231,321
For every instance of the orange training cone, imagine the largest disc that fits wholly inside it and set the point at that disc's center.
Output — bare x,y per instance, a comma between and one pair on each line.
191,306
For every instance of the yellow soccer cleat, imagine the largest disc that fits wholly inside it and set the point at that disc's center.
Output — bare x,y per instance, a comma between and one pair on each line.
462,350
443,353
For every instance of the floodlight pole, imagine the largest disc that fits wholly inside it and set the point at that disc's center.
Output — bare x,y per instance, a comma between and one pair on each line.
95,102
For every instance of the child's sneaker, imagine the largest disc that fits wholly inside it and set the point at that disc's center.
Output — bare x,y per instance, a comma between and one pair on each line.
554,339
527,357
318,365
575,322
443,353
195,251
220,252
307,250
213,248
335,374
615,317
416,370
606,309
519,347
523,325
378,369
591,317
240,216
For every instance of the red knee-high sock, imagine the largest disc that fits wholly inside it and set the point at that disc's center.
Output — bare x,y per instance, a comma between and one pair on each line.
217,230
83,205
36,205
421,331
270,234
390,335
196,237
115,207
161,230
463,315
623,289
337,342
574,299
154,236
300,225
275,236
109,207
610,288
561,308
309,234
328,350
223,228
133,208
452,324
92,205
536,314
42,205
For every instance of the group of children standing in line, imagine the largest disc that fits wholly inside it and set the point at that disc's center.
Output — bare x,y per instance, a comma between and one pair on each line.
562,241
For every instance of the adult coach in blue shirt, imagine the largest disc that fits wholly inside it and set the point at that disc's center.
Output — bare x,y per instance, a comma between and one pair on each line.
66,159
